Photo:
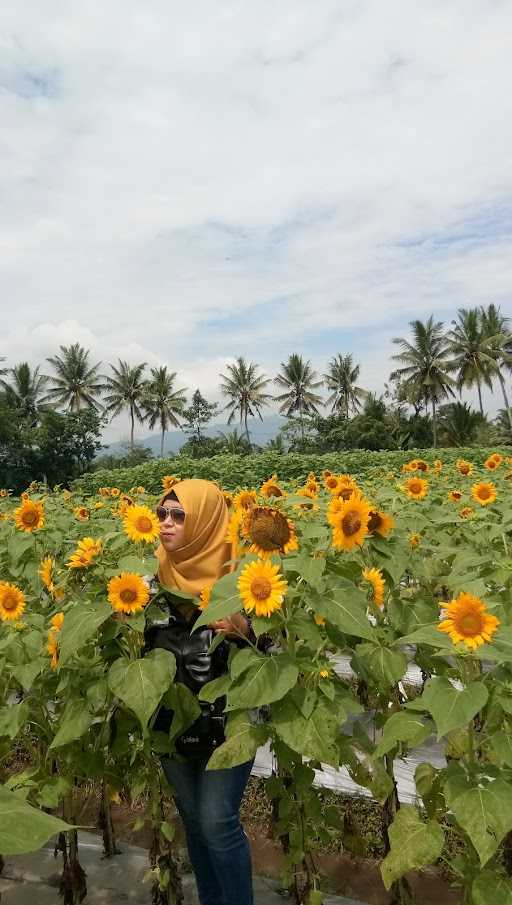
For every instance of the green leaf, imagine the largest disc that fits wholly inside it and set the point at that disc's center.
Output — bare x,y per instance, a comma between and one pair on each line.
428,634
28,672
147,565
413,844
482,808
80,625
489,888
309,568
345,607
384,666
186,708
452,707
242,741
224,600
215,689
403,727
24,828
313,737
140,684
75,721
267,680
13,718
501,744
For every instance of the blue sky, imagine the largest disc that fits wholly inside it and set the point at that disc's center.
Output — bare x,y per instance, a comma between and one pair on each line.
183,184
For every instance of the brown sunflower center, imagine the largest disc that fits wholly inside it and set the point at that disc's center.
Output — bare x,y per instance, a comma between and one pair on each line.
484,493
30,517
331,482
269,530
273,490
464,469
351,523
144,524
10,601
415,487
346,492
374,522
128,595
261,588
421,466
471,624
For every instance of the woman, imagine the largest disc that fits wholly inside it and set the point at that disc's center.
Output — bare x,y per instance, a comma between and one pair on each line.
192,555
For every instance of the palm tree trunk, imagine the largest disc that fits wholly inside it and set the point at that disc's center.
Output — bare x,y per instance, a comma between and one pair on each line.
507,407
132,428
480,398
246,428
162,445
434,423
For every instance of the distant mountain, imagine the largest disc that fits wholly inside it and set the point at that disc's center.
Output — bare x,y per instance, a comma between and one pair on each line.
260,432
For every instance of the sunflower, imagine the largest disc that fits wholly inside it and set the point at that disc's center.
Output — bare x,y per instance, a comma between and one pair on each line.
57,621
319,620
4,492
466,512
326,473
128,593
269,531
204,596
53,649
455,496
380,523
228,498
139,490
104,491
81,513
438,466
168,481
349,520
45,572
409,466
29,516
306,492
271,488
414,539
262,587
331,482
493,462
114,492
464,467
86,551
484,493
324,673
312,487
99,504
140,523
466,619
421,465
12,601
416,488
244,499
375,579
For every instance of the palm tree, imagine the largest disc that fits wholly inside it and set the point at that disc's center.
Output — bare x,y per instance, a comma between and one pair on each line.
24,391
235,443
494,326
245,389
473,353
427,365
162,403
126,390
299,381
459,424
76,382
341,381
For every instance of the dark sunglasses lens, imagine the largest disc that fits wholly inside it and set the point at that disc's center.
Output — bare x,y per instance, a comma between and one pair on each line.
161,513
178,515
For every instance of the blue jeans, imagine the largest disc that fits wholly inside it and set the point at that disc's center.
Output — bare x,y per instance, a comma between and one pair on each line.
209,802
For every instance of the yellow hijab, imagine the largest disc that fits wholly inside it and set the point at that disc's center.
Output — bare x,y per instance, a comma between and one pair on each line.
205,552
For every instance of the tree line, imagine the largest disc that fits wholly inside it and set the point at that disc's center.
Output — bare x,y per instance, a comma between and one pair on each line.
432,367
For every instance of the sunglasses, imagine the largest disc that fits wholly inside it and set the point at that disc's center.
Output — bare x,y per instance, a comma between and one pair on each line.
177,515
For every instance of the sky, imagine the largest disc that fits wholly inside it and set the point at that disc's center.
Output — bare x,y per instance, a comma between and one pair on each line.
182,184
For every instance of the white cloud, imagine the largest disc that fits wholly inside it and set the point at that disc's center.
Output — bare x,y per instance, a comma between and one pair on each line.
183,184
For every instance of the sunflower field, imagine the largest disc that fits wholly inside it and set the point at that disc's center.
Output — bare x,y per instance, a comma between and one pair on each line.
409,564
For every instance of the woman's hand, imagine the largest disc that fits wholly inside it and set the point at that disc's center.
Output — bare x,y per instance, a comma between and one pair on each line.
232,625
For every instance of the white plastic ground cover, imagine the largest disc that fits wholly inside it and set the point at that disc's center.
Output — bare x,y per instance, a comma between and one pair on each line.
339,780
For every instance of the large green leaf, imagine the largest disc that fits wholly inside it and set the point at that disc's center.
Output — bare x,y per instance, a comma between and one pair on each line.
482,808
313,737
501,744
489,888
142,565
403,726
140,684
24,828
185,707
414,843
75,721
453,707
13,718
345,607
224,600
428,634
267,680
26,673
80,624
242,741
384,666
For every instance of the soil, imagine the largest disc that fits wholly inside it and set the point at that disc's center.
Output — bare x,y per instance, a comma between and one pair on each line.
343,874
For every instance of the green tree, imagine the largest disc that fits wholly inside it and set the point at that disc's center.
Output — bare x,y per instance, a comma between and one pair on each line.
162,403
299,381
341,380
426,366
245,389
473,352
77,384
199,413
459,424
126,390
495,328
235,443
24,392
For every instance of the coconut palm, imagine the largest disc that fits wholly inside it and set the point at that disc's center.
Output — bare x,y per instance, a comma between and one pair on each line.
495,327
341,381
76,383
459,424
427,365
235,443
245,389
162,403
299,381
126,389
473,353
24,391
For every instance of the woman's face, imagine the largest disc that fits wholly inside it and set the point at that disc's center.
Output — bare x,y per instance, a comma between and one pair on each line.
172,527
